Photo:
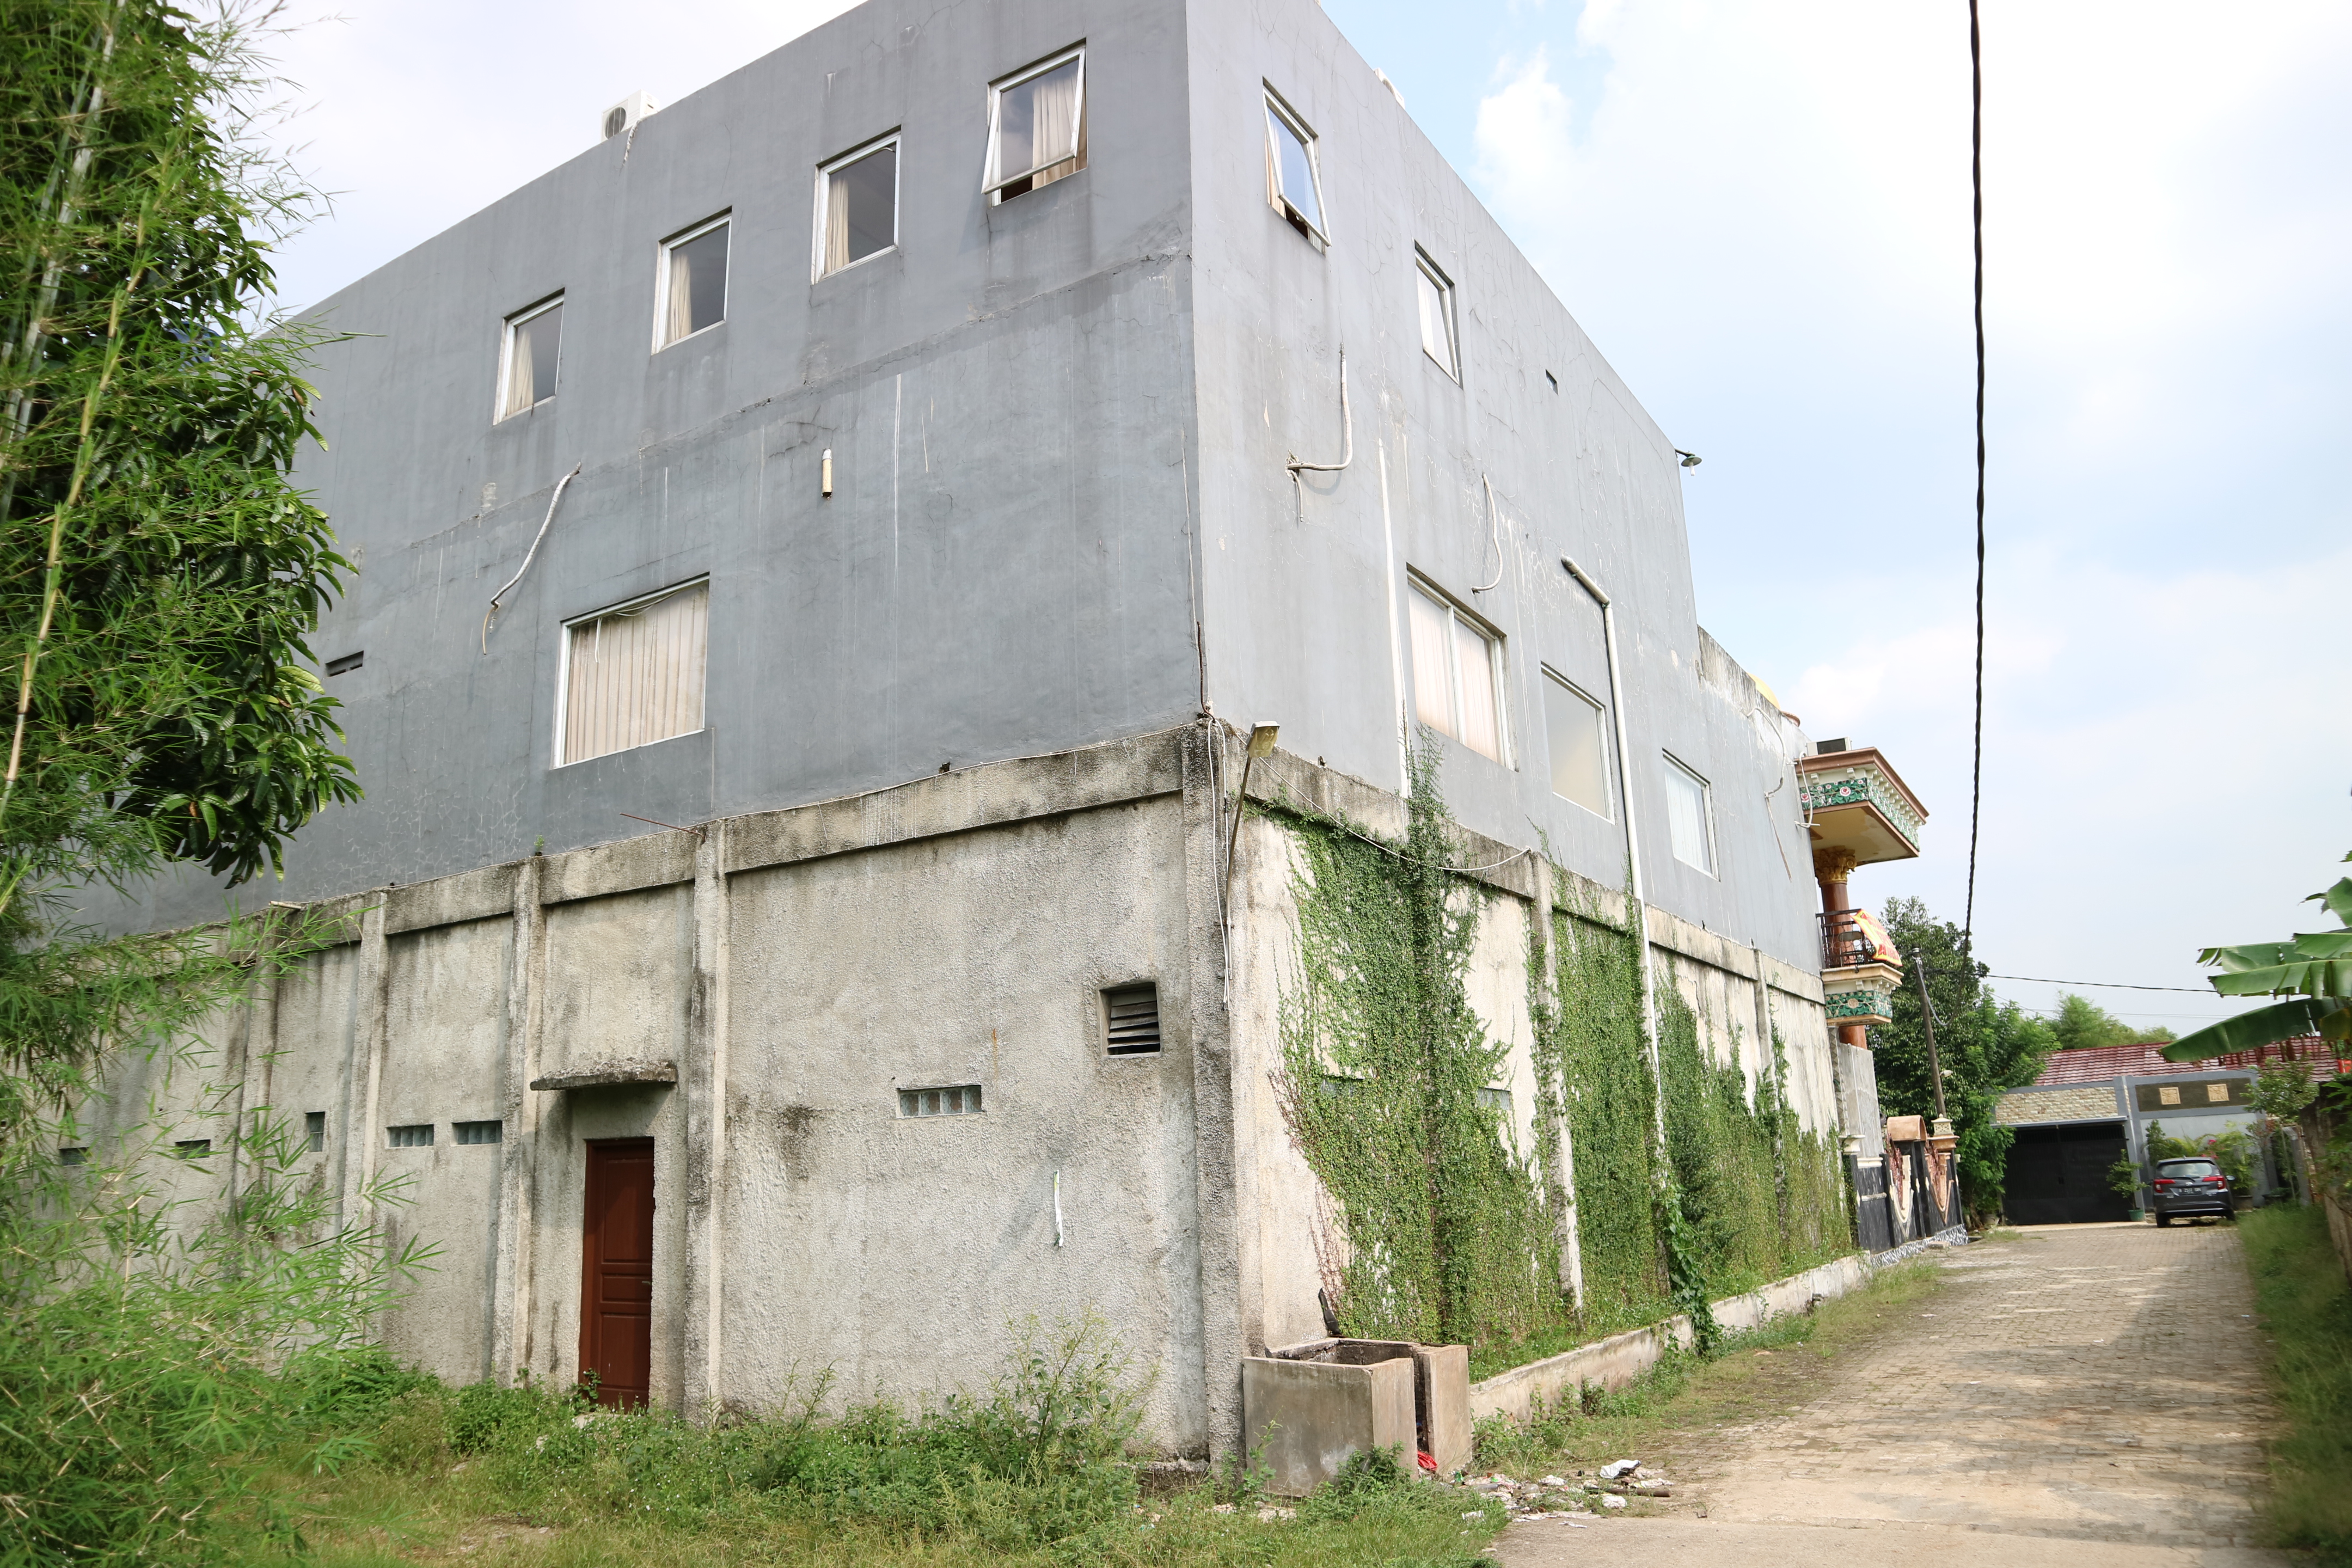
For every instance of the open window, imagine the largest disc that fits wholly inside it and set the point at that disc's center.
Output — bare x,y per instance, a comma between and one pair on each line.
1457,687
1294,180
1690,816
1575,728
857,206
529,357
633,674
1037,125
693,296
1435,291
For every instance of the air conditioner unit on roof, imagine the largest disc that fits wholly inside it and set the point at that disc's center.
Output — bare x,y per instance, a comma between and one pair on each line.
623,117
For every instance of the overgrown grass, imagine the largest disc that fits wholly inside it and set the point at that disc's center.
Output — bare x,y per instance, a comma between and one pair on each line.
1771,1368
1034,1470
2301,1299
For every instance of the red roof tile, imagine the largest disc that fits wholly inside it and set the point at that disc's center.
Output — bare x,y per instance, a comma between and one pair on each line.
2098,1064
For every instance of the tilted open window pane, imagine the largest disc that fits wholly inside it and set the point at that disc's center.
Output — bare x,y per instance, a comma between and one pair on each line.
1436,294
1689,818
633,675
533,352
1580,745
1290,164
861,207
1038,133
694,282
1456,689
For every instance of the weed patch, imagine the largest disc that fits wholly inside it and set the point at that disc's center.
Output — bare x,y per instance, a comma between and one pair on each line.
2304,1305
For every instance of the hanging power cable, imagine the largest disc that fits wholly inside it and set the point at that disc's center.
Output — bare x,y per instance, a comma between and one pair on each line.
1976,190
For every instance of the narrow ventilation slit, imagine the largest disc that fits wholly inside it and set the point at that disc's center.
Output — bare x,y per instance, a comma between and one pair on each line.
478,1131
961,1099
1132,1019
418,1135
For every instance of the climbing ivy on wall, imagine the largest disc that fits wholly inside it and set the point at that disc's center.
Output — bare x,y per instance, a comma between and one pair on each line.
1440,1232
1440,1229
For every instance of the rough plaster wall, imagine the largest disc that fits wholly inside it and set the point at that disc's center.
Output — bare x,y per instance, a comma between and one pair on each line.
305,1059
1805,1045
1497,987
616,982
1858,1075
894,1252
445,1033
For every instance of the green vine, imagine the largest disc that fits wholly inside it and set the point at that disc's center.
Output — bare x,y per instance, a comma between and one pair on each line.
1440,1229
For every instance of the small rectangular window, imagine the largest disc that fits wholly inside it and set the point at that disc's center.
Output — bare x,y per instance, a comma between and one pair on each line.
346,663
415,1135
1293,178
194,1148
1574,727
960,1101
1435,291
1497,1100
857,206
633,675
693,282
1037,126
532,358
314,1130
1132,1019
1456,675
1690,817
73,1155
478,1131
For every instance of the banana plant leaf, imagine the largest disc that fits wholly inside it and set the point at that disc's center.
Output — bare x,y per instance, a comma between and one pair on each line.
2338,900
2327,1015
2300,978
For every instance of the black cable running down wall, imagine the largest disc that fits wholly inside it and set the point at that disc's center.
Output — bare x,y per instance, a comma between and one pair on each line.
1975,185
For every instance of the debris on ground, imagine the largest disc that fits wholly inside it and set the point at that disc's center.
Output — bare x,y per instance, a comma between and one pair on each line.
1557,1498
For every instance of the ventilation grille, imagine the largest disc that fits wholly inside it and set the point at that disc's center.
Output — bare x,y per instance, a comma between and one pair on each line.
1495,1099
478,1131
314,1130
960,1101
1131,1018
347,663
418,1135
73,1155
194,1148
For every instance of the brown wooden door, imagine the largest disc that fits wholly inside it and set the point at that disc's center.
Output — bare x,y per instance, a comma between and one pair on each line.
616,1271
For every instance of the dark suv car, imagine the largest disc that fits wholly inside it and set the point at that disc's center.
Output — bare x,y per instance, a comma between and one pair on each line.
2191,1187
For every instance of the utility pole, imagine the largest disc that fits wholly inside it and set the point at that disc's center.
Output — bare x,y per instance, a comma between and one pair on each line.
1927,1021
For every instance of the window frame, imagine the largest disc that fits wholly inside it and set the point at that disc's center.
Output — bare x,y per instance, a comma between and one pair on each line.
1278,109
500,412
1425,265
563,668
1600,724
992,179
894,137
666,252
1705,817
1460,614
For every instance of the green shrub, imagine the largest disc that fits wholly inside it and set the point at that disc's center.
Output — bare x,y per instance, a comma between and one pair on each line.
2301,1295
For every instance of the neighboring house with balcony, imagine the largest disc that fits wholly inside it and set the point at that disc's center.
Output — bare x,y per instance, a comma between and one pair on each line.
815,549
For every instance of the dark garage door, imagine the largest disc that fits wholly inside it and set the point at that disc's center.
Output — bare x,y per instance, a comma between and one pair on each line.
2058,1175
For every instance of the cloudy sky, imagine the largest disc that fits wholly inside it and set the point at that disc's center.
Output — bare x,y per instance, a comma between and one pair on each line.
1760,213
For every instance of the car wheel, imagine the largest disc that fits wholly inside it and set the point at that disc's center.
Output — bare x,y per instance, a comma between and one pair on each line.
2230,1215
2162,1220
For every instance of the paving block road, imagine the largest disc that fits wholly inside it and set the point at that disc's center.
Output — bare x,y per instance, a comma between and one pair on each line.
2089,1396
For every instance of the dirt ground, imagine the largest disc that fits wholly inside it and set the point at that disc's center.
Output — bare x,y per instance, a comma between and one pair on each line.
2082,1397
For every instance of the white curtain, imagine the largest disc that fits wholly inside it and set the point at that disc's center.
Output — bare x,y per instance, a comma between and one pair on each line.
681,296
836,220
1433,676
635,675
1038,122
530,360
1482,719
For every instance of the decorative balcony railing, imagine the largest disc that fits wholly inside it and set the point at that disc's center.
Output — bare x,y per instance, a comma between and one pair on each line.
1851,938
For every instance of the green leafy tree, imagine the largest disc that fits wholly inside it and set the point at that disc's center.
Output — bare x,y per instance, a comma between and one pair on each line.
1986,1047
2082,1025
159,577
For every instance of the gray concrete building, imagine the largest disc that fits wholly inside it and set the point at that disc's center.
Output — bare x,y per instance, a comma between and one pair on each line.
909,466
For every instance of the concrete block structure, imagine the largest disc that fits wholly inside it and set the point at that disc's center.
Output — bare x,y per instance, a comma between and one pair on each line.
821,552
